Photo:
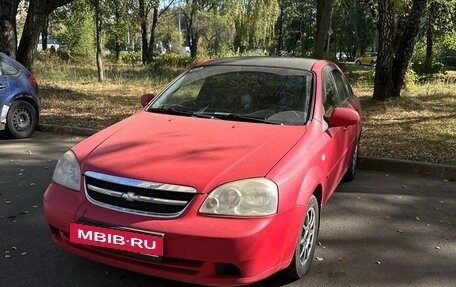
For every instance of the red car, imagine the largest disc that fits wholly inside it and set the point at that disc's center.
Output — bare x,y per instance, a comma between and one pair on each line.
219,180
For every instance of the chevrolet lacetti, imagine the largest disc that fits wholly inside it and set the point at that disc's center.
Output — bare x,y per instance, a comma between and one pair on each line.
219,180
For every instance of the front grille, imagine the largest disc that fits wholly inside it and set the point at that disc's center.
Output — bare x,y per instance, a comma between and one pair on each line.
137,196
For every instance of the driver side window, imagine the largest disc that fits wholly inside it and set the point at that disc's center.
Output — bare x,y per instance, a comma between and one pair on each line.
330,94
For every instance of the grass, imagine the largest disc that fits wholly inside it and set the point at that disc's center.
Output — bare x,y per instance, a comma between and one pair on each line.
420,125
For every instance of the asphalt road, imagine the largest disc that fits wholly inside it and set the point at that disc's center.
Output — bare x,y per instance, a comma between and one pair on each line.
380,230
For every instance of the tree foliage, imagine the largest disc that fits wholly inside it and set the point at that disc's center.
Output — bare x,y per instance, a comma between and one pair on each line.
78,40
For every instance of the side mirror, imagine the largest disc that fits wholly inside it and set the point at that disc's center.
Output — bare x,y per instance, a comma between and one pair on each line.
146,98
342,117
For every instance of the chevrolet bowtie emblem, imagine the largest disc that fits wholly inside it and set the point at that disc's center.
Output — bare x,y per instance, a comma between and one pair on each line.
129,196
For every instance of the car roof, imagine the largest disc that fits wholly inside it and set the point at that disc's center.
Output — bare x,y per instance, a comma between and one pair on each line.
261,61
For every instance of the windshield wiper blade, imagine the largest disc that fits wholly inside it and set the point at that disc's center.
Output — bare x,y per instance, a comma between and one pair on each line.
170,111
244,118
174,111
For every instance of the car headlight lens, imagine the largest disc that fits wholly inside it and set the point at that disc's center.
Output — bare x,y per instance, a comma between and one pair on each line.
248,197
67,171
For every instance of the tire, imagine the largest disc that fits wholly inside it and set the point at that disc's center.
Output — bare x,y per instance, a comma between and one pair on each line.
358,63
22,120
351,171
307,241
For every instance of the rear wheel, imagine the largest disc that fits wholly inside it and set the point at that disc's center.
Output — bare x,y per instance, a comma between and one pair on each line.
22,120
307,241
358,63
351,171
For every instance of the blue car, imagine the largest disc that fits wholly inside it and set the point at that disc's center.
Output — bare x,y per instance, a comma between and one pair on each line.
19,99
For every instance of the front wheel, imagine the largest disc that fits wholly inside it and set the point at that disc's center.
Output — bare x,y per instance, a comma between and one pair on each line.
358,63
307,241
22,120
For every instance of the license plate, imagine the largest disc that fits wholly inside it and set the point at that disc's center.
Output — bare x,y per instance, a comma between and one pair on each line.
116,239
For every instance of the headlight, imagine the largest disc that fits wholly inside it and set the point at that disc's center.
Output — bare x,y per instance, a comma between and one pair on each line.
67,171
248,197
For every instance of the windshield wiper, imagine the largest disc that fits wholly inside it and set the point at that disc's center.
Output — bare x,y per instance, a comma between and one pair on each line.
244,118
180,112
170,111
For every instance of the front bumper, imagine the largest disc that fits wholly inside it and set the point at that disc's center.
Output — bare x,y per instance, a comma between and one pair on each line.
197,249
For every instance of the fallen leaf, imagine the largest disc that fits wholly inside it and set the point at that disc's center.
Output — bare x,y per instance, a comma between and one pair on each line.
7,256
8,202
341,258
319,259
400,231
32,184
417,218
24,253
377,262
437,247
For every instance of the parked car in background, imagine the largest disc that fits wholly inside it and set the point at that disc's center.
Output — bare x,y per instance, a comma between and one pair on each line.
369,58
219,180
52,44
341,56
19,99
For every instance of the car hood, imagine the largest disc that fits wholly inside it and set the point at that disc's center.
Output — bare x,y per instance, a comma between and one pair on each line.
197,152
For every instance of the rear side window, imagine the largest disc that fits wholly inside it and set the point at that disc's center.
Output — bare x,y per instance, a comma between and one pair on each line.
7,69
343,93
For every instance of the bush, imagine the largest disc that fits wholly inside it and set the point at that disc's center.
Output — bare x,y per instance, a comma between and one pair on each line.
174,60
131,58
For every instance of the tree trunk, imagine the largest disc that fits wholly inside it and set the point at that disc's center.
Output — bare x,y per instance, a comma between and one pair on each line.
99,28
8,34
143,18
383,84
194,45
153,30
408,34
118,21
45,33
395,48
324,8
280,28
36,16
430,39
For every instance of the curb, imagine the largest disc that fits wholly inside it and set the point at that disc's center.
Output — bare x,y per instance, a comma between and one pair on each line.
439,171
66,130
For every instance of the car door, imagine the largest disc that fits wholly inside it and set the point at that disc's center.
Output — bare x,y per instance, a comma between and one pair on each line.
338,138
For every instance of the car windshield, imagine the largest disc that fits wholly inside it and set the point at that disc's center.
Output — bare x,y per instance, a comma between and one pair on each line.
240,93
